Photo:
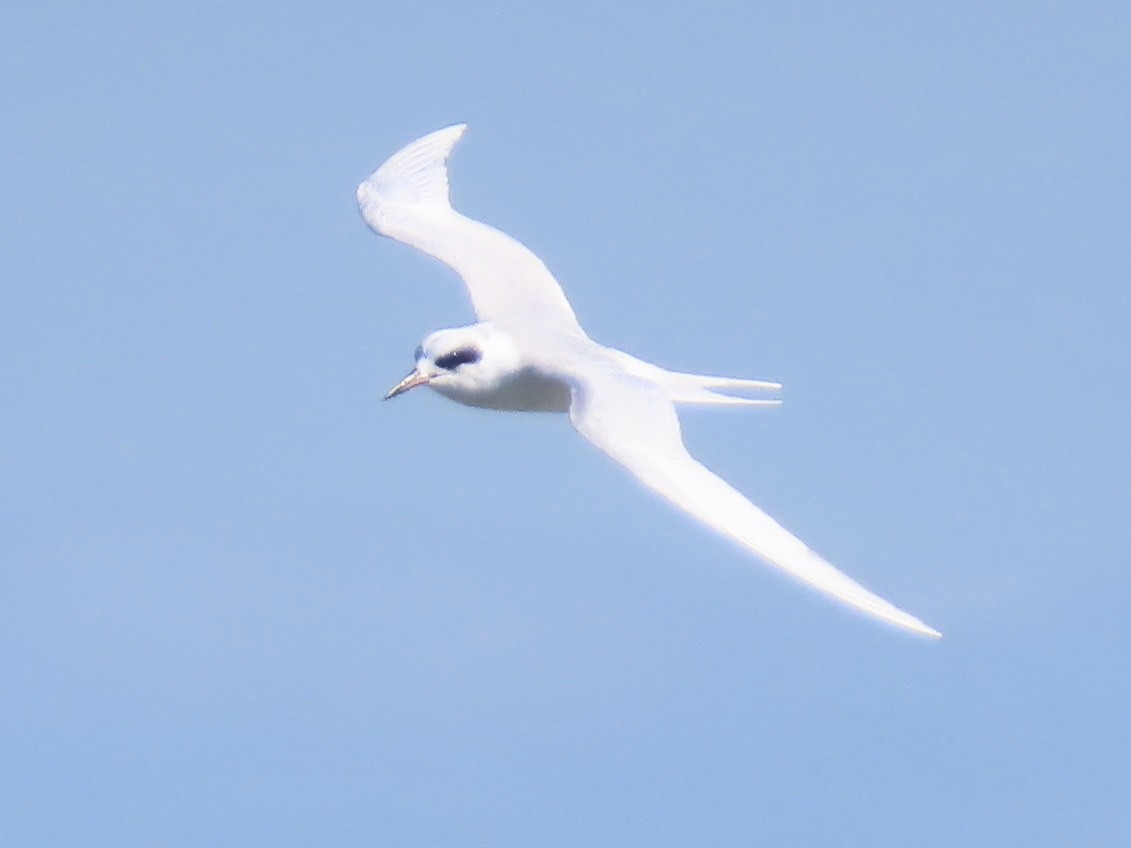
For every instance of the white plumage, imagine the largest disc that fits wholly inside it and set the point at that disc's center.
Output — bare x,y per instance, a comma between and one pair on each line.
528,352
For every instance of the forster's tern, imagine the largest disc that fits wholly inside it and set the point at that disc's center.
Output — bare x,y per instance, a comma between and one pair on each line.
529,353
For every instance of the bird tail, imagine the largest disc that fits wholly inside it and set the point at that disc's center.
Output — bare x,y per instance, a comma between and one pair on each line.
696,388
416,175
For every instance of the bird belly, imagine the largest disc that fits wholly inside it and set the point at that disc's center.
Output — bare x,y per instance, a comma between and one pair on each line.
526,391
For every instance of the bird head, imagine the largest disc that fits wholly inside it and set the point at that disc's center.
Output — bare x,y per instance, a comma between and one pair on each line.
462,362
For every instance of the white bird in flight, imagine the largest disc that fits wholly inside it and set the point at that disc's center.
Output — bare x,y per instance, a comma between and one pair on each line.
528,353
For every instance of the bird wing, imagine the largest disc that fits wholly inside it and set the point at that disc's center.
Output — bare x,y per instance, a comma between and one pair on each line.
407,199
634,422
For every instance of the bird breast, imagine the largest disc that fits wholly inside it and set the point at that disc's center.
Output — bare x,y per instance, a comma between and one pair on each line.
524,391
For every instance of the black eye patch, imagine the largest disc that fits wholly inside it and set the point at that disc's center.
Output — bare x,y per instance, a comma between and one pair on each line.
456,358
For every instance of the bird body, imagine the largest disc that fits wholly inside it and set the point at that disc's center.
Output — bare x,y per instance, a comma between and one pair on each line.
529,353
501,379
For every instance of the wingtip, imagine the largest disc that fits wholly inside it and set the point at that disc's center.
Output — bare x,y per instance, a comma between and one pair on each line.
417,173
441,139
866,601
916,626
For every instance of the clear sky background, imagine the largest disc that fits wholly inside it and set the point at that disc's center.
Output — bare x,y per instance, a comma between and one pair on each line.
243,602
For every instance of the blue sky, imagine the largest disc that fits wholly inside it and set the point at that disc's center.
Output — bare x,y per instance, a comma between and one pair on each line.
245,603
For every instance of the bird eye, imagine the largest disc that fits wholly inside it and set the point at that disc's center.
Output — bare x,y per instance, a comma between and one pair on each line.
456,358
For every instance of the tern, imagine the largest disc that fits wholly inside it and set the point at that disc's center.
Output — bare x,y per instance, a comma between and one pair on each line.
527,352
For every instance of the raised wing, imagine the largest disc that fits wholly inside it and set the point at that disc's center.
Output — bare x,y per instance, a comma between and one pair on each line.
407,199
634,422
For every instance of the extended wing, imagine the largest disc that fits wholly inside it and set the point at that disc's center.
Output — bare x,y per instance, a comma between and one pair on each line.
634,422
407,200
